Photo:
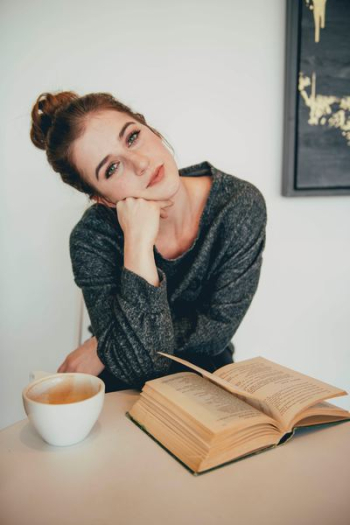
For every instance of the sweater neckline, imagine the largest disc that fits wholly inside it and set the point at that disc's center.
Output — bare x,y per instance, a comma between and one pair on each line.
197,170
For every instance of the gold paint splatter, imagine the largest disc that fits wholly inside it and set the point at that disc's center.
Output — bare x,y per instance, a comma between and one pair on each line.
319,9
321,107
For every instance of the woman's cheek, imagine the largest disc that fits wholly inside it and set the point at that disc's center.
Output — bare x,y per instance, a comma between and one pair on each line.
121,191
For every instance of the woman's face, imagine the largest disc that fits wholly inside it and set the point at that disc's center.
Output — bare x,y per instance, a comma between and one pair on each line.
118,156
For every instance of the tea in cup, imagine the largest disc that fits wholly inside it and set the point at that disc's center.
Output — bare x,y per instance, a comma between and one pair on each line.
63,408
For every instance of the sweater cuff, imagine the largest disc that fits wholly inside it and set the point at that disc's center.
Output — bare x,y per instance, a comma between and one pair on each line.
136,291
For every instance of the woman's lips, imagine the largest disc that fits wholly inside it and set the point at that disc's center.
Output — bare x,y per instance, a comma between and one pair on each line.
158,177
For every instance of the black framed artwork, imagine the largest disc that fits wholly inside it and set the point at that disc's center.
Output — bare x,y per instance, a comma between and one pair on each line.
316,157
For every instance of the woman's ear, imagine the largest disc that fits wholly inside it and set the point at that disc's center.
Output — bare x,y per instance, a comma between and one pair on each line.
102,200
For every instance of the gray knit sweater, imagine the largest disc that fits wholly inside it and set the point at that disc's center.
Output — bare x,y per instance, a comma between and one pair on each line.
203,294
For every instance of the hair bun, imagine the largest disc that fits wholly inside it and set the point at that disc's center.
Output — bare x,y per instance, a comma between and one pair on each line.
43,114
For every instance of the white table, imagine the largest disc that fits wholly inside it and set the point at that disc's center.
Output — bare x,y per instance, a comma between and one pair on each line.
119,475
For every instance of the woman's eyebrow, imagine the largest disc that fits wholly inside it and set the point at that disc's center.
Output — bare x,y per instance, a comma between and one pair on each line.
121,134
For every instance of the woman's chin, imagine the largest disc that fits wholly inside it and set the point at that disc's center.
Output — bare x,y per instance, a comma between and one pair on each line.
168,191
173,188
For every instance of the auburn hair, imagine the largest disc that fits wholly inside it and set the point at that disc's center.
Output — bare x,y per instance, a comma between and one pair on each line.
58,119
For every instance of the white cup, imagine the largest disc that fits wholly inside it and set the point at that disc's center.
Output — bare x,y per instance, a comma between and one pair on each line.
63,408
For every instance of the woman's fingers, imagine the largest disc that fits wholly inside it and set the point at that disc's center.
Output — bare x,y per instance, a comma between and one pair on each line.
62,368
165,204
162,205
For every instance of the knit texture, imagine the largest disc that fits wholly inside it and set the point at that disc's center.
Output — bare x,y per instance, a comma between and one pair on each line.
203,294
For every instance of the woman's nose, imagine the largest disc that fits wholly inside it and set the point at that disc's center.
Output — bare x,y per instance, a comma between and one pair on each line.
140,163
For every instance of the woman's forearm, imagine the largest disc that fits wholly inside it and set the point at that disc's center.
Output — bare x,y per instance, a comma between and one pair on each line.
139,258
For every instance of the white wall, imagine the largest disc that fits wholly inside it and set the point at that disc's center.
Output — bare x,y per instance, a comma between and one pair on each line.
209,76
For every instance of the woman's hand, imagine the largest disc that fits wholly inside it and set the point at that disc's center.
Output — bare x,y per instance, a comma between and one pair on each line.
139,218
83,359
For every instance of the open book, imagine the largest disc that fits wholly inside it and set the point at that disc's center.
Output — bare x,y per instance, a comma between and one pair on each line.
210,419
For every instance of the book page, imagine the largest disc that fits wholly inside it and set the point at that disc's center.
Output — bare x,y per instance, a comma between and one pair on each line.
321,413
285,391
214,378
209,404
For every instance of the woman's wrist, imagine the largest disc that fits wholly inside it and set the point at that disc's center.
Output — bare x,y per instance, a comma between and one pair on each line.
139,258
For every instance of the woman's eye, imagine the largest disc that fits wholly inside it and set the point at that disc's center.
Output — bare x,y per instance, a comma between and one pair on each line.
112,169
132,134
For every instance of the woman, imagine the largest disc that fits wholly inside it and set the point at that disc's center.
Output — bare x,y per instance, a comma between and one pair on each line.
168,260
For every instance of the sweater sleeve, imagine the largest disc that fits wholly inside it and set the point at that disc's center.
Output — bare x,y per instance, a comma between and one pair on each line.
226,296
124,309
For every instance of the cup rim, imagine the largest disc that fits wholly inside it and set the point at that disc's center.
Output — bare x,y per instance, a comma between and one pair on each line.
60,374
